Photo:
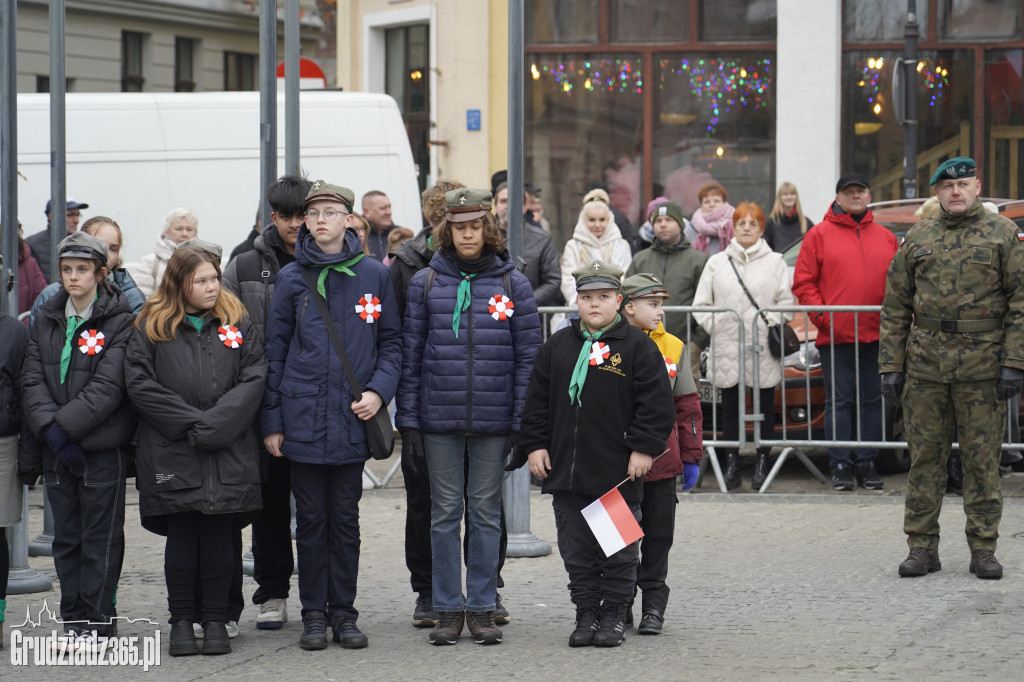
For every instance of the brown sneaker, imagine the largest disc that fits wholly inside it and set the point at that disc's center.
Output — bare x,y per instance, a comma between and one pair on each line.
448,628
984,564
482,627
920,561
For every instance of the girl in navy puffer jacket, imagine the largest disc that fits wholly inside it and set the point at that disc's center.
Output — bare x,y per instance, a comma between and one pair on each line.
471,333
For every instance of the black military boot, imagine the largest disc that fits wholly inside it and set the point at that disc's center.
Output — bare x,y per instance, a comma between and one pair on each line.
732,471
955,473
588,617
920,561
611,631
760,470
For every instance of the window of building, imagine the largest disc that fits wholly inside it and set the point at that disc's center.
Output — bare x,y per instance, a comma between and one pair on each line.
184,64
737,20
648,20
1004,123
241,71
979,19
132,77
406,79
561,22
880,20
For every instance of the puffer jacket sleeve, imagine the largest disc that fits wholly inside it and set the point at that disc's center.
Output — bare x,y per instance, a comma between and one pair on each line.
145,274
230,277
159,405
414,332
570,261
280,329
549,291
535,424
106,389
132,293
654,417
783,290
38,406
388,368
705,295
525,327
223,423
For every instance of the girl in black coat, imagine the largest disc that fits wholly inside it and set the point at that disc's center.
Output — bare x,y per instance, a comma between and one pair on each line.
196,370
74,402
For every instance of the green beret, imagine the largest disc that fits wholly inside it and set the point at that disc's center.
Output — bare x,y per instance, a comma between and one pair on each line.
670,209
597,275
325,190
642,285
958,167
465,204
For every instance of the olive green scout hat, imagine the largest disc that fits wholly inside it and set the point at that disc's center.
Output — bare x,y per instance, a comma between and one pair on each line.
597,275
957,167
642,285
325,190
214,249
465,204
82,245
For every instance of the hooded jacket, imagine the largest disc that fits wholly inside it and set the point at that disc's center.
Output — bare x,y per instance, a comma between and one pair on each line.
766,276
844,262
686,442
308,398
585,248
196,395
152,266
91,405
251,275
678,267
411,257
787,229
541,266
476,382
626,405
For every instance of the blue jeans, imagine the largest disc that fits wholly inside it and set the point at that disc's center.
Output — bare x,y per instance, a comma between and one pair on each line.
846,404
481,483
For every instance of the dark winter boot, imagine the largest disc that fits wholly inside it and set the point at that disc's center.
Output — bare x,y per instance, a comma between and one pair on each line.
732,471
760,470
588,617
612,628
183,640
215,638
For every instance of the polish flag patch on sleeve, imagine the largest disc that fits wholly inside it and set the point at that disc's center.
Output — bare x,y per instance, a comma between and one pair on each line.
613,525
1020,236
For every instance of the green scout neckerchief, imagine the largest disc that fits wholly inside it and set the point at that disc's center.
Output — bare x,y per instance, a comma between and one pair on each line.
462,300
196,320
338,267
579,372
65,353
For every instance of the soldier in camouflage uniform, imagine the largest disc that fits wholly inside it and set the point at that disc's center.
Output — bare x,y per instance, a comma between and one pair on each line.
952,348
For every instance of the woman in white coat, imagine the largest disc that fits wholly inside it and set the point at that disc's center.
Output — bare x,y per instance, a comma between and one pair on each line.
180,225
766,277
596,237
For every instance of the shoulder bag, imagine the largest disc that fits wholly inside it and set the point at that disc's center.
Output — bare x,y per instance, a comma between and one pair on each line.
782,339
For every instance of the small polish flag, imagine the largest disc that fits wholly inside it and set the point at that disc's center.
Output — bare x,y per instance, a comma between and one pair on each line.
1020,236
612,523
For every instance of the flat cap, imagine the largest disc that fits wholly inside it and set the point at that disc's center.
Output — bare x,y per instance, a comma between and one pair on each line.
642,285
325,190
82,245
465,204
205,245
597,275
957,167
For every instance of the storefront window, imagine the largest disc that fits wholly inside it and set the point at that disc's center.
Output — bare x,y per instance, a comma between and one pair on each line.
584,123
960,19
714,121
736,20
1004,123
872,140
557,22
880,20
648,20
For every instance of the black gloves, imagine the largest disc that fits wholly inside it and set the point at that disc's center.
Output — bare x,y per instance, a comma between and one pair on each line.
892,386
60,444
515,456
1009,383
412,449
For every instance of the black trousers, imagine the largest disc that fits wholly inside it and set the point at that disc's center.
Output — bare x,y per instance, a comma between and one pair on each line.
199,550
658,511
593,577
236,600
327,535
728,415
88,534
273,561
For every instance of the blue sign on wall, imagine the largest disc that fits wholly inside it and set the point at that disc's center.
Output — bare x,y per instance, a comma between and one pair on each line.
472,119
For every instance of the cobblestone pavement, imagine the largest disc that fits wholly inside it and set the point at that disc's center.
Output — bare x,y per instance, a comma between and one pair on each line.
782,586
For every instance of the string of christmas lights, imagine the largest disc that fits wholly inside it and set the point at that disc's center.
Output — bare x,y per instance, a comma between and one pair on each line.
604,75
722,84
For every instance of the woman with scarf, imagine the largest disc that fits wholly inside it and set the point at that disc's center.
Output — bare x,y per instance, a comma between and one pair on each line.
711,230
787,222
596,237
471,333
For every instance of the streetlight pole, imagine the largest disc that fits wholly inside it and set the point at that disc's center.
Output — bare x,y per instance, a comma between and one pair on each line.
910,32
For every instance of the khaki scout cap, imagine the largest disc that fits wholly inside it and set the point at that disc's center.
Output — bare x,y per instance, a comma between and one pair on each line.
642,285
465,204
208,246
597,275
325,190
82,245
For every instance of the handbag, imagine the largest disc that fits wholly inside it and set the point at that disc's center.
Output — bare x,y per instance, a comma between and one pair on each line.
782,339
380,434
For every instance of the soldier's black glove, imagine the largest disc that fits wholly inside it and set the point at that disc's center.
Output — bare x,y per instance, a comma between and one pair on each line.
412,449
1009,383
514,455
892,386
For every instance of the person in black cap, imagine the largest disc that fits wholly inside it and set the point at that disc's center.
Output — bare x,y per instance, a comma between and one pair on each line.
39,243
843,261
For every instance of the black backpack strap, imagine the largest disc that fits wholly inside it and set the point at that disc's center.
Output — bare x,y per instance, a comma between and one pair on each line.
265,275
431,276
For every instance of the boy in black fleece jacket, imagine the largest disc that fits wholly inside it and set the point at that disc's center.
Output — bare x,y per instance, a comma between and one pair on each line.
599,408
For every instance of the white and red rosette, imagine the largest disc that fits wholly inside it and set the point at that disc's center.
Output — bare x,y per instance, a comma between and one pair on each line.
231,337
671,367
500,307
368,308
599,352
90,342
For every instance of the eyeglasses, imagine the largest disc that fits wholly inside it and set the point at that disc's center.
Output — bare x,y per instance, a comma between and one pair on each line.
328,213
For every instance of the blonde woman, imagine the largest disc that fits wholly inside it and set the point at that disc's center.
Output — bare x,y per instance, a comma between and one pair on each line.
786,222
596,237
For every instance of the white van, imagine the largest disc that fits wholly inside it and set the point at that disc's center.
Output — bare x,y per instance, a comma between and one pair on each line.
135,156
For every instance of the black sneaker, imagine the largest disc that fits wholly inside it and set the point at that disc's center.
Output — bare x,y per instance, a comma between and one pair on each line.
588,618
424,615
314,631
842,478
347,633
868,478
612,628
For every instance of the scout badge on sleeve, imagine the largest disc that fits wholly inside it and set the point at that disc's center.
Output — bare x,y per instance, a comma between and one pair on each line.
500,307
599,352
368,308
90,342
231,337
671,367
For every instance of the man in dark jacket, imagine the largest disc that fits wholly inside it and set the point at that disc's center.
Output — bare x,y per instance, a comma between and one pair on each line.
539,252
39,243
377,210
251,277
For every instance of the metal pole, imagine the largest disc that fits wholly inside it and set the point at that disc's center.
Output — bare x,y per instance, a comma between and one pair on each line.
268,103
910,32
22,578
516,488
58,168
43,544
9,157
291,87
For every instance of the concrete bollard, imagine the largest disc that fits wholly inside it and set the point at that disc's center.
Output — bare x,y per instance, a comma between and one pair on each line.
516,498
43,544
22,578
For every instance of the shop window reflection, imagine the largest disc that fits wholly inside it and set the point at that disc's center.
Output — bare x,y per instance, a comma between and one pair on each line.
880,20
559,22
992,19
1004,88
